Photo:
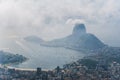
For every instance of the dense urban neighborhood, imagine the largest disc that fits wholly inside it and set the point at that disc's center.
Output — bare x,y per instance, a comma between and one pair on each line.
95,67
74,71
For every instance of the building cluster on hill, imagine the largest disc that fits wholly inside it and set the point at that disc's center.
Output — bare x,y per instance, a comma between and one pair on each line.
73,71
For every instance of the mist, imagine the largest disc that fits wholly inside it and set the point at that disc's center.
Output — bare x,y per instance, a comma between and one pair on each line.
51,19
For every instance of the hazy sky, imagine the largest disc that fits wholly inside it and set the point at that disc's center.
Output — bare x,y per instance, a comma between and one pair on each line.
51,19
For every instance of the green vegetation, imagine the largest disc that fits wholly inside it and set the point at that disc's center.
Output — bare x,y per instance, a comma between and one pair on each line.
7,58
89,63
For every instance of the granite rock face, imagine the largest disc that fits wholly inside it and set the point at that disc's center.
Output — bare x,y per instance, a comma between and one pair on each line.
79,29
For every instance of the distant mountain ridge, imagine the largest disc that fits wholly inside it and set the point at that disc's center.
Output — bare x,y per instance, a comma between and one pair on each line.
78,40
33,39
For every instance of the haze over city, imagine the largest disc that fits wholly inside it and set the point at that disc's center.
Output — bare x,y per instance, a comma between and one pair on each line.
59,40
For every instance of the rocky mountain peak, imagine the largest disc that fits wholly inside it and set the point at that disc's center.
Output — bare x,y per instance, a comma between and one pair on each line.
79,29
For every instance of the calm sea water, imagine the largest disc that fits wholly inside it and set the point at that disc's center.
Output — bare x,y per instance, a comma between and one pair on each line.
40,56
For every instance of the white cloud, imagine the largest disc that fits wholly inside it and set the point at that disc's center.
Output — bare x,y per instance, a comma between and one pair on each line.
48,18
75,21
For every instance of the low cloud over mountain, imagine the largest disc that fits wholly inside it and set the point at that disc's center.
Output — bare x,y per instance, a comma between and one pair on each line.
78,40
